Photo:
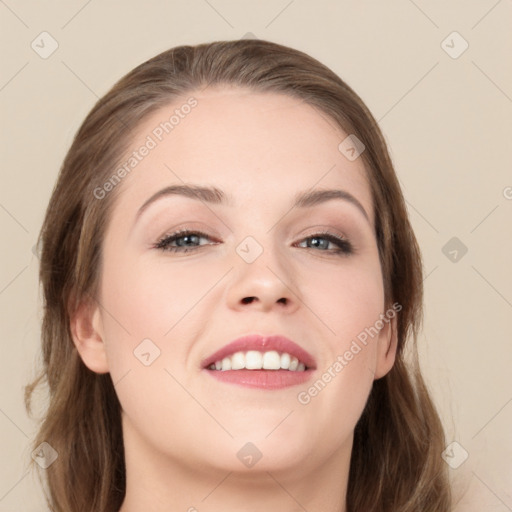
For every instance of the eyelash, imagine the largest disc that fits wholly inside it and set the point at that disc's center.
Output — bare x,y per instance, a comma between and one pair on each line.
344,246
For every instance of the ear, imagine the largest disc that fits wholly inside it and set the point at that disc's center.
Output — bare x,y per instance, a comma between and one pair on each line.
87,333
386,348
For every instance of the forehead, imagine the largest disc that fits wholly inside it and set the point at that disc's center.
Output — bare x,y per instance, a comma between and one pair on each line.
260,147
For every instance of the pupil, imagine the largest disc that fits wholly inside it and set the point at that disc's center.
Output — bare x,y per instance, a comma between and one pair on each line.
316,243
187,238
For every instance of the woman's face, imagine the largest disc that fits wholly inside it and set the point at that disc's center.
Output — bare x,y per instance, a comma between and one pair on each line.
164,313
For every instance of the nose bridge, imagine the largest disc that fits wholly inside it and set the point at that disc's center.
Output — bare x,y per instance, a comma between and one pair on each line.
259,237
262,272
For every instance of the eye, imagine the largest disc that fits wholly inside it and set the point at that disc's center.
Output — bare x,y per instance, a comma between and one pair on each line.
318,240
185,240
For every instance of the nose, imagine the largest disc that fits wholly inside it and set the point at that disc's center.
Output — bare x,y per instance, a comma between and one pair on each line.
263,285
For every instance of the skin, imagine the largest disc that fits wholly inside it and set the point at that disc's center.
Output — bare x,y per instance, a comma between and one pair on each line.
182,428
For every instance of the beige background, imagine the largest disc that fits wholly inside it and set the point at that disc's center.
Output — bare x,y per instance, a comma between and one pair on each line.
448,122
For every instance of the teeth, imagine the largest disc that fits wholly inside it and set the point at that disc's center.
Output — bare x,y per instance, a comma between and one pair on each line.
238,361
255,360
271,360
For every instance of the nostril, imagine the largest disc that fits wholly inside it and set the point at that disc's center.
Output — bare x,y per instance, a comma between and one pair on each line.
247,300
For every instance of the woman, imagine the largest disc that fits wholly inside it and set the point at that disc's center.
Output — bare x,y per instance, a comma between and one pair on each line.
231,281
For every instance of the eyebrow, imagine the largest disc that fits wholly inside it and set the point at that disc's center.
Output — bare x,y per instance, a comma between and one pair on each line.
213,195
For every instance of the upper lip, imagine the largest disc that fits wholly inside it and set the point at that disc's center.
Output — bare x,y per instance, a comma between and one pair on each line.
262,343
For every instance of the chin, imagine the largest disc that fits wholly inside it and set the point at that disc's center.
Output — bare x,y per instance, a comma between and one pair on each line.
256,453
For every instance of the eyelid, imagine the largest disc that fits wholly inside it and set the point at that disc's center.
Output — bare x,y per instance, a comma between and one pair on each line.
343,243
178,233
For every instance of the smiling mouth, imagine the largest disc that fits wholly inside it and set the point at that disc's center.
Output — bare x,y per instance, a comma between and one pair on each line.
256,360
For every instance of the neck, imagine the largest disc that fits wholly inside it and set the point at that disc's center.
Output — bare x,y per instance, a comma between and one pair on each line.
157,482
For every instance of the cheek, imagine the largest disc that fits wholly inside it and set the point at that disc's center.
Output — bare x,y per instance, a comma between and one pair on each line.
158,301
148,299
346,298
348,302
140,307
349,305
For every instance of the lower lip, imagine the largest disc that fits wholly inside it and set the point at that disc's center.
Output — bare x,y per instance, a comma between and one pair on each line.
262,379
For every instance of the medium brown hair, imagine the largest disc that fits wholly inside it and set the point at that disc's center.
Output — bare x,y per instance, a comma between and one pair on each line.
396,463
